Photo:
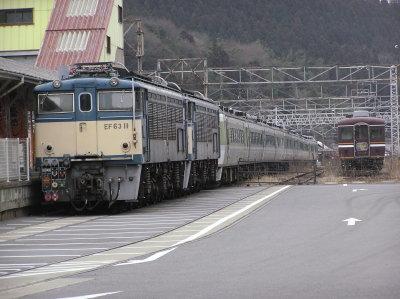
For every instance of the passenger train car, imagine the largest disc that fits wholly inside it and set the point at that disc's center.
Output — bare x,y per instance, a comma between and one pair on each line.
102,138
361,142
246,140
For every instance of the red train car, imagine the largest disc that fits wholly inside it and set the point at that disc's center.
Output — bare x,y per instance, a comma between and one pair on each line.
361,142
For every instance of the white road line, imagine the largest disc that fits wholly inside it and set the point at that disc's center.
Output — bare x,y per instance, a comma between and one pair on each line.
158,241
149,217
32,256
63,244
46,272
356,190
50,249
149,259
86,238
73,263
33,221
226,218
103,234
188,212
92,295
27,265
119,253
104,229
131,223
139,221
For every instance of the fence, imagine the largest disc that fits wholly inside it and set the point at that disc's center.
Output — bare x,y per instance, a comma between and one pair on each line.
14,159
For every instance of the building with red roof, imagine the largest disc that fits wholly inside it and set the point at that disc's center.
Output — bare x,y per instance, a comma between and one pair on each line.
82,31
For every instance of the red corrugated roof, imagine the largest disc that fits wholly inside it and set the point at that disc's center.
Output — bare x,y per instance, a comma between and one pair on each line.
76,33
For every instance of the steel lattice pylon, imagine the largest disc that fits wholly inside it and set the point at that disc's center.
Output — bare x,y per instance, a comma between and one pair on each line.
394,105
310,100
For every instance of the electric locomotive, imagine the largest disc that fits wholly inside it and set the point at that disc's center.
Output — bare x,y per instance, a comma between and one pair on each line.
361,142
102,138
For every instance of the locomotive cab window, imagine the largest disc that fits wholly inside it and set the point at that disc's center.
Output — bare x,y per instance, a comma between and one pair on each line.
120,100
346,133
55,103
85,102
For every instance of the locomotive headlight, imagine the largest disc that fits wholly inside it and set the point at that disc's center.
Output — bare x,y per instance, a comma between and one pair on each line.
362,146
114,81
56,83
126,147
49,148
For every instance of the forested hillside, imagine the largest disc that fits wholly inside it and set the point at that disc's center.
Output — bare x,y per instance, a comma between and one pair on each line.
275,32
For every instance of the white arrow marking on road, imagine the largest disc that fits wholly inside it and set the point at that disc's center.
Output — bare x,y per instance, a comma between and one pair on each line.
355,190
91,296
344,185
149,259
351,221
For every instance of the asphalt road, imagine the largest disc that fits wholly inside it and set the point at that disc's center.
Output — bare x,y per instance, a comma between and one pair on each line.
40,241
296,246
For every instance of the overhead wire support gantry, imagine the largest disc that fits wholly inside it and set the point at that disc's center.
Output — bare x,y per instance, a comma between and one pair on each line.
310,100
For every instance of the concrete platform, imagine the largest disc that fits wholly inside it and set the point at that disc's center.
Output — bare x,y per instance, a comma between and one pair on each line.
17,197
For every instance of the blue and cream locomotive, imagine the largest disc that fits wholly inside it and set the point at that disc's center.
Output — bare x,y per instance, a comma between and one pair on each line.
101,138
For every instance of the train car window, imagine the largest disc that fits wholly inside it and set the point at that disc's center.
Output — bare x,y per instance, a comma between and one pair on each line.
377,133
115,101
346,133
55,103
361,132
85,102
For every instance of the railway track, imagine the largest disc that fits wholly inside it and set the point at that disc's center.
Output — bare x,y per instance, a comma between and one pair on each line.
303,178
286,178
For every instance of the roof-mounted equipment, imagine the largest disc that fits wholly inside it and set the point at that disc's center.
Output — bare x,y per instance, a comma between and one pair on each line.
101,69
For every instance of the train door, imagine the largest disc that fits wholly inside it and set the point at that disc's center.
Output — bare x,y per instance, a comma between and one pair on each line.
86,122
191,130
361,140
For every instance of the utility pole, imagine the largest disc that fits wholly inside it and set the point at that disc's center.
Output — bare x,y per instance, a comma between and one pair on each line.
140,46
139,42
